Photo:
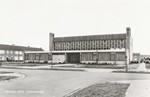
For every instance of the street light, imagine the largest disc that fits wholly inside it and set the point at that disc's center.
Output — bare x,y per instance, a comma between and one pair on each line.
126,64
51,60
97,56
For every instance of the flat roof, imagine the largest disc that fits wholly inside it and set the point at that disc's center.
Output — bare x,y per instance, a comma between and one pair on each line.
78,51
19,48
90,37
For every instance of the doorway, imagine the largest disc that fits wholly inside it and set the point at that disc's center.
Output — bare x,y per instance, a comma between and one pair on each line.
73,57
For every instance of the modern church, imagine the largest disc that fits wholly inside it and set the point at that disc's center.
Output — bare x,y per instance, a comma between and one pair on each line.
97,49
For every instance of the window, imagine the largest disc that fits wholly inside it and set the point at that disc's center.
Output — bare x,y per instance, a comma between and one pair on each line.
119,44
116,44
90,45
20,52
16,52
122,43
1,51
65,46
87,45
56,46
78,46
7,51
83,45
62,45
112,43
105,44
11,52
120,56
71,46
87,57
99,45
108,44
104,56
93,45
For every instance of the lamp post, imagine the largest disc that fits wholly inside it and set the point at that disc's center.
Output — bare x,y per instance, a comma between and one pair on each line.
126,57
51,45
97,56
51,60
126,64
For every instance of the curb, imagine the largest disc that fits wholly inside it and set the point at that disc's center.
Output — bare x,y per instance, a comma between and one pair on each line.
18,75
92,85
139,72
77,90
56,69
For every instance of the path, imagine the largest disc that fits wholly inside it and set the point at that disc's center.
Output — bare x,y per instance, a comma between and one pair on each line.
141,67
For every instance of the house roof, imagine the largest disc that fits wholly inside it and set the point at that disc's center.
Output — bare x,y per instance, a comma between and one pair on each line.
19,48
90,37
143,56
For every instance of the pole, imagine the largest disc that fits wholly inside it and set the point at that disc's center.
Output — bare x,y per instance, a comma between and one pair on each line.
51,46
97,56
126,64
52,60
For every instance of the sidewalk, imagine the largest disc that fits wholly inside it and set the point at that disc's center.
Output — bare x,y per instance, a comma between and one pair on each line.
98,70
46,67
141,67
59,67
139,88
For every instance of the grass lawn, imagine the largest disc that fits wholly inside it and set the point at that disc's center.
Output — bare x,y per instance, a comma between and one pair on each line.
4,72
133,66
102,66
2,78
103,90
108,66
24,64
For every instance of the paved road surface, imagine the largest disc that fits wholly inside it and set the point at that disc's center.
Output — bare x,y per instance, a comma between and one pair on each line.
45,83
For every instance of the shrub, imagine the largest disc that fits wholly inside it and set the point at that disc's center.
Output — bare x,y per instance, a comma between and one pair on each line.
45,62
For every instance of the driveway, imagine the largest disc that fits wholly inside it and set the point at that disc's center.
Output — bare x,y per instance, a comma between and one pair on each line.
47,83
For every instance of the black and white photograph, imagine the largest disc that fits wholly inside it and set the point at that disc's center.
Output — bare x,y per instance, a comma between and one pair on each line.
74,48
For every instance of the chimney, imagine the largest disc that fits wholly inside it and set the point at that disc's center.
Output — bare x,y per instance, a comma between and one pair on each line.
128,31
128,46
51,40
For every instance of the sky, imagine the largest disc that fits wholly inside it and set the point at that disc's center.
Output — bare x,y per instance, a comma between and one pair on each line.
29,22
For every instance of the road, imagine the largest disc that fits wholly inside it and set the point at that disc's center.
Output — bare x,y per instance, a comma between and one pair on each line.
47,83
